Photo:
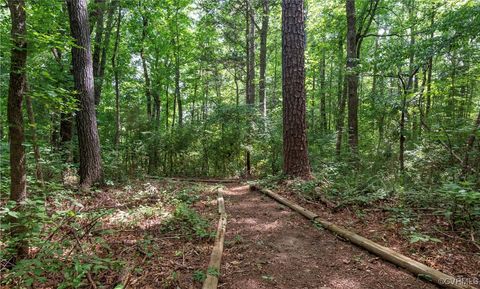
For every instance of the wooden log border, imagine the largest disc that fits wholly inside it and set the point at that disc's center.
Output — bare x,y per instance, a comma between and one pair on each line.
417,268
213,271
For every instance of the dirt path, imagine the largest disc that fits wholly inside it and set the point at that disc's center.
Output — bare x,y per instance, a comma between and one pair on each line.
269,246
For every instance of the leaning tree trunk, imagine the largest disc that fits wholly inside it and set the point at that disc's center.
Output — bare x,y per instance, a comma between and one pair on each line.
16,92
88,138
295,151
352,78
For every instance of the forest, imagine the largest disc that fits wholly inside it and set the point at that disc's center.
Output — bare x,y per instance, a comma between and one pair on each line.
193,143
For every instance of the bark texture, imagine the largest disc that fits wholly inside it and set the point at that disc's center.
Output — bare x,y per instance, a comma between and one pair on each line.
16,91
97,49
352,77
323,93
250,65
263,58
250,41
295,153
88,139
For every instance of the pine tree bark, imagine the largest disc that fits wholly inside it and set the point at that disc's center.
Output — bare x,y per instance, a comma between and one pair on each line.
295,149
263,59
352,77
88,138
16,91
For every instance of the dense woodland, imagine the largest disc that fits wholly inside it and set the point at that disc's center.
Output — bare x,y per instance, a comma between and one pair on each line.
362,102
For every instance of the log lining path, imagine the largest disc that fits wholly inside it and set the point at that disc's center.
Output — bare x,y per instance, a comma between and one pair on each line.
267,245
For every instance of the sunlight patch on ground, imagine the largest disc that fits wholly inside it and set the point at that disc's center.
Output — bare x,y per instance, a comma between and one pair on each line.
344,283
243,189
142,217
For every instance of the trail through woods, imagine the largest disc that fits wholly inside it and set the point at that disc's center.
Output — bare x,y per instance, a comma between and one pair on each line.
267,245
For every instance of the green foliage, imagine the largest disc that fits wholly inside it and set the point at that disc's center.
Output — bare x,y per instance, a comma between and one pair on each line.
66,258
199,276
213,272
461,204
188,222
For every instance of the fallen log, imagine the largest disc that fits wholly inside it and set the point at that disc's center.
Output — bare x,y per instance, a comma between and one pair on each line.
213,271
388,254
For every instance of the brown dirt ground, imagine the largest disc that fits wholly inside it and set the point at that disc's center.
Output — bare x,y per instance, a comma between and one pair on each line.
454,255
152,257
269,246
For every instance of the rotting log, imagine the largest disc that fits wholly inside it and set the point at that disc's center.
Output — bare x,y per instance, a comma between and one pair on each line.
213,271
415,267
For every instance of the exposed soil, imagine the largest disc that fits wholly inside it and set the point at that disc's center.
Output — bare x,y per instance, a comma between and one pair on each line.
269,246
454,255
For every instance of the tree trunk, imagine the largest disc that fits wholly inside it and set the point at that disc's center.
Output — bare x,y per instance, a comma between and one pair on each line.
117,80
430,67
342,96
250,38
295,149
177,71
237,89
66,123
401,156
148,91
407,88
323,99
469,146
36,149
88,138
250,62
97,45
16,91
352,78
104,48
263,59
66,129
